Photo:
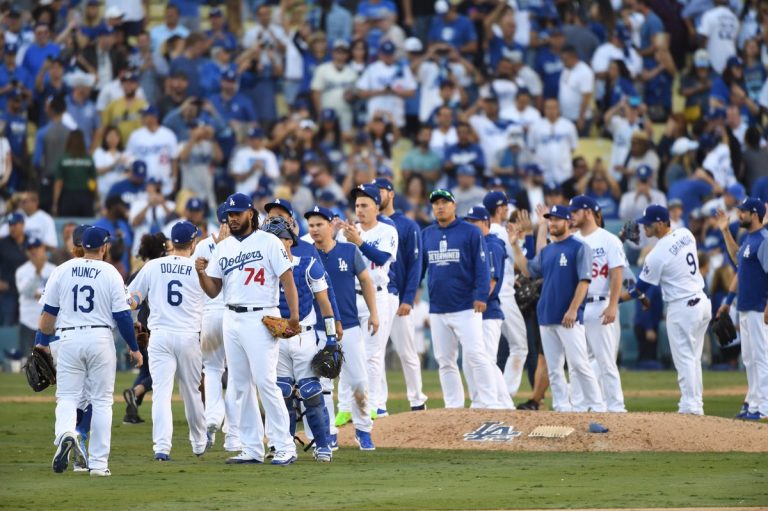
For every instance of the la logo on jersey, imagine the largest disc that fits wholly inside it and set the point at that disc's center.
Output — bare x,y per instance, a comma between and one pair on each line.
492,432
563,260
342,265
746,252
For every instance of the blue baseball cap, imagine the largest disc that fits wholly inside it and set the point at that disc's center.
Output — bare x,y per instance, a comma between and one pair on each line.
221,213
477,213
215,12
156,181
229,74
737,191
654,213
105,29
385,171
533,169
644,173
559,212
494,200
715,114
77,234
279,203
184,232
584,202
150,110
139,169
753,205
32,242
95,237
734,60
256,133
238,202
384,184
370,191
195,204
260,194
328,114
321,212
130,76
387,48
326,196
11,48
466,170
15,218
552,188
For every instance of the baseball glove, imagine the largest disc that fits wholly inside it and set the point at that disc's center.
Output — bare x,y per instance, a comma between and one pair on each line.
527,292
630,232
39,369
279,327
327,362
142,336
723,329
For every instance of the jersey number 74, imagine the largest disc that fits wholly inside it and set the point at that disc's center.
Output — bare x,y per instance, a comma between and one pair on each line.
254,276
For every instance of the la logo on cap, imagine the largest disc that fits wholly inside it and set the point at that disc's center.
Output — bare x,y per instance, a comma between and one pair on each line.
316,210
231,202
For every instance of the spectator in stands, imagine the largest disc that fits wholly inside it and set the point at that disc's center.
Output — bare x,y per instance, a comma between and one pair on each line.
329,17
657,76
261,66
252,162
731,89
190,62
103,59
490,129
634,201
718,31
641,152
696,85
605,190
682,162
444,133
416,193
451,28
618,47
322,181
63,254
40,50
161,33
157,147
754,158
552,141
110,161
176,92
548,63
577,83
754,70
717,159
522,113
49,148
386,83
578,179
622,121
49,82
30,283
265,32
16,133
331,82
531,191
132,188
618,86
728,201
421,159
12,256
235,110
190,114
82,109
464,152
75,179
691,191
150,67
467,192
329,138
124,113
150,213
115,221
198,156
384,134
13,78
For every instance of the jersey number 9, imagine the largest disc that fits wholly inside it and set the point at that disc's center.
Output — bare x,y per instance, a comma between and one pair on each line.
691,262
174,296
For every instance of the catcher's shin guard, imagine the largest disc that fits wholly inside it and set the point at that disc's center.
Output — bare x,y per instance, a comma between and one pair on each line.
285,383
311,393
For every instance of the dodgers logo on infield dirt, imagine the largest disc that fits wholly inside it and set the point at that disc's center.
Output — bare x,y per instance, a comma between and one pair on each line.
492,432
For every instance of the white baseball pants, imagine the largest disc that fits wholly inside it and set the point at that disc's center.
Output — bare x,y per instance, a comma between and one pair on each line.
369,341
354,376
686,327
219,406
295,356
252,357
328,388
403,337
569,344
174,353
754,353
465,327
514,331
603,343
491,337
86,358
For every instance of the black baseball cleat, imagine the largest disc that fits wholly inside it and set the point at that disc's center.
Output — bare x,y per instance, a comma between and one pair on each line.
131,408
133,419
419,408
529,405
61,458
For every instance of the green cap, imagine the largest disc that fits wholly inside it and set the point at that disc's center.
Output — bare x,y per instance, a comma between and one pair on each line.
441,194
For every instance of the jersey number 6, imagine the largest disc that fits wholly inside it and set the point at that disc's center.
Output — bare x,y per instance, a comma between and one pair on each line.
174,296
254,276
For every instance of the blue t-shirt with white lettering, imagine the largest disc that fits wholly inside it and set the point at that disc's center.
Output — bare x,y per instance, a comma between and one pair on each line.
753,272
562,264
456,265
497,253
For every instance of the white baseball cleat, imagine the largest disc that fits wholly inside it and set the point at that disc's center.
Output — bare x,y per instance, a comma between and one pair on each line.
323,454
100,473
283,458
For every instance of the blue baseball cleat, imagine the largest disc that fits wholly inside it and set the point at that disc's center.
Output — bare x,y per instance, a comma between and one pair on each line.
61,458
161,456
363,439
333,442
283,458
743,412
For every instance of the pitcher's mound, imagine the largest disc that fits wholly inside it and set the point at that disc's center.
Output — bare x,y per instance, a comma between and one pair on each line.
510,430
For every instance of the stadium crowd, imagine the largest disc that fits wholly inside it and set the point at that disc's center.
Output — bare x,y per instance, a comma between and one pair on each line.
136,122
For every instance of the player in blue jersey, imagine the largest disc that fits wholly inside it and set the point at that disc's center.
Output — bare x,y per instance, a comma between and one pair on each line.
344,264
458,281
751,301
493,316
566,267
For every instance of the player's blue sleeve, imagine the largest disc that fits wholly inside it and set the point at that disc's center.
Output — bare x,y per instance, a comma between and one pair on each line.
359,263
641,287
482,268
497,262
37,156
50,309
424,257
412,264
534,267
584,262
529,245
125,325
378,257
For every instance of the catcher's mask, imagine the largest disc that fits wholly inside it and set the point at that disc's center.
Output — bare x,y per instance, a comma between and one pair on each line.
280,228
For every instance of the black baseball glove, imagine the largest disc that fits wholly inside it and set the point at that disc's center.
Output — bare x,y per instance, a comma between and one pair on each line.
40,370
327,362
527,292
723,329
630,232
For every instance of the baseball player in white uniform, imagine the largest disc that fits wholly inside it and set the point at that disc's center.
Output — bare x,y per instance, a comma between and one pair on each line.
601,313
171,286
377,242
84,299
513,328
218,404
673,265
247,267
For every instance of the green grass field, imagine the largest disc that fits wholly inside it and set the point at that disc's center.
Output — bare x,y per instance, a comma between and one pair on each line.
385,479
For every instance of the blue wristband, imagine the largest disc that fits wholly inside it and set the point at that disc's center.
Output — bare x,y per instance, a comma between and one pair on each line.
42,339
730,297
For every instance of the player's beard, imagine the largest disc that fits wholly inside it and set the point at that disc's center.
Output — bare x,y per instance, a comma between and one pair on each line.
745,223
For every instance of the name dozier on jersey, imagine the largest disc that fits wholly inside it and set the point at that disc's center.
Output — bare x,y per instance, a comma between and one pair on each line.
176,268
239,261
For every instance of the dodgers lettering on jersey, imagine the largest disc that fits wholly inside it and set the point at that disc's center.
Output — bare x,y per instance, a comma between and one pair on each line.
673,265
171,286
562,264
309,276
343,263
249,269
607,254
383,237
496,256
753,272
86,292
205,249
456,266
